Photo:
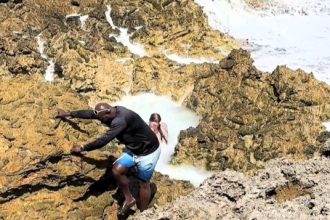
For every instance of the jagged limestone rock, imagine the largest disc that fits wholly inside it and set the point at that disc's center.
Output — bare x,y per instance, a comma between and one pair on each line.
283,190
91,61
250,117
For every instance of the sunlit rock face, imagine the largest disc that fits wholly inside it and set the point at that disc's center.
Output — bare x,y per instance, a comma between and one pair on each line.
87,52
39,178
247,116
250,117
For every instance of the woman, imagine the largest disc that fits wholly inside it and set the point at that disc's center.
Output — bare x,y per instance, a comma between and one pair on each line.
159,128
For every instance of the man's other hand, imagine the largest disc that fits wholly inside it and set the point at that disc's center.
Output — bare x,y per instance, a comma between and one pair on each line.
61,113
76,150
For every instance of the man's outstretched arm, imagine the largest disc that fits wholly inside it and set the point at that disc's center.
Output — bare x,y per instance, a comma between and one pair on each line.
115,129
84,114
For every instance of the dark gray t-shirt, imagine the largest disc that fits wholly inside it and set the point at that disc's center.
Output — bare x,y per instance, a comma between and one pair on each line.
127,127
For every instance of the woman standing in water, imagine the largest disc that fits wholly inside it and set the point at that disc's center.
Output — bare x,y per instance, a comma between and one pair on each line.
159,128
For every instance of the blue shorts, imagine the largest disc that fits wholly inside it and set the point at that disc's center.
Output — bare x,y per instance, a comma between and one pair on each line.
145,164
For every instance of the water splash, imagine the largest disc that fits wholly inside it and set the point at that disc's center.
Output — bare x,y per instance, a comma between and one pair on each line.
108,17
82,19
326,125
41,46
287,32
124,37
189,60
177,118
49,74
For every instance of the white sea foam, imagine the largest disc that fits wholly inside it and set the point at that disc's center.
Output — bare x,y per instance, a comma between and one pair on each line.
189,60
83,20
49,74
124,37
288,32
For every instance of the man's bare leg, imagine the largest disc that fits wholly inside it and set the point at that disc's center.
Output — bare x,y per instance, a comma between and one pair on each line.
145,194
122,180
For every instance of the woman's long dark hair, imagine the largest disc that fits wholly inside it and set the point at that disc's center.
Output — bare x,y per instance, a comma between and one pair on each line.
155,117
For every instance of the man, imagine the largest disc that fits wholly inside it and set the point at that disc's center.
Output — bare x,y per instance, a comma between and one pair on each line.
142,147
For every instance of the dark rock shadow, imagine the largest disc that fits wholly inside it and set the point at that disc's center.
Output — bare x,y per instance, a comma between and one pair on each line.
108,183
71,180
134,187
100,164
326,153
74,125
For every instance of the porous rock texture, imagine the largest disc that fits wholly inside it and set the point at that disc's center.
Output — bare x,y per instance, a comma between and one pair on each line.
249,117
39,178
87,55
283,190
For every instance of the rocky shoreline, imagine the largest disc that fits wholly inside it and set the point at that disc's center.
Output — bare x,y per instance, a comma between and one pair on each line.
249,117
283,190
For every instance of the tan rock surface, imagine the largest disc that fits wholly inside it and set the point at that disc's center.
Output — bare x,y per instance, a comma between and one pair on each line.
91,61
250,117
38,177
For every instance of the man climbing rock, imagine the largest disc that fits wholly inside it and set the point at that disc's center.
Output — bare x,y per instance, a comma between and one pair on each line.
142,147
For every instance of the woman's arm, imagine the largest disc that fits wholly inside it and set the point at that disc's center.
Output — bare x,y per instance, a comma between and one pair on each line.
163,127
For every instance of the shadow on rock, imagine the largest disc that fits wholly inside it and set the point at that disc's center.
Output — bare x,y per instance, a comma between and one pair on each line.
108,183
134,187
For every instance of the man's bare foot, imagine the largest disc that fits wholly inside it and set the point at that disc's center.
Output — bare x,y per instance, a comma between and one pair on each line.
126,206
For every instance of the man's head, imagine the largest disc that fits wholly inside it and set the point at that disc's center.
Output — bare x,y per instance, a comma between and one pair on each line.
104,112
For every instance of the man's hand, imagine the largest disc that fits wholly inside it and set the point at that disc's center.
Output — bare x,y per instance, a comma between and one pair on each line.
61,113
76,150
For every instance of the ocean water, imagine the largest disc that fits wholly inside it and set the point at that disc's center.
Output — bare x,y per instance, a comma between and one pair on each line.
295,33
177,118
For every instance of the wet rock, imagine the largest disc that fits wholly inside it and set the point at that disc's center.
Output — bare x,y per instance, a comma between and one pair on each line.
324,136
73,20
325,150
9,136
75,3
